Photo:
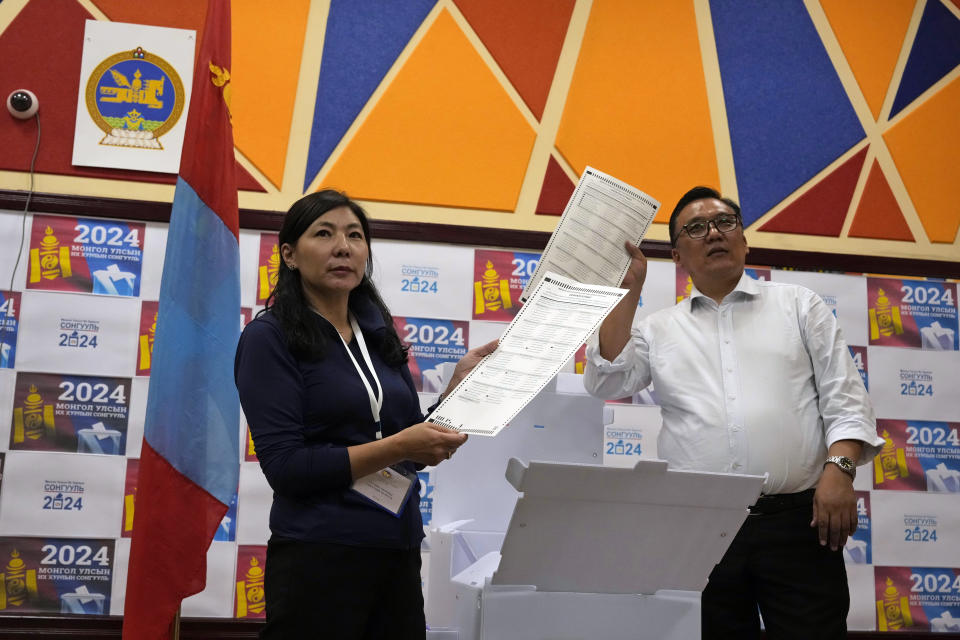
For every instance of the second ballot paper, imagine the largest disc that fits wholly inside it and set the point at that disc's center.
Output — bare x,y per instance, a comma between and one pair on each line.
587,245
543,336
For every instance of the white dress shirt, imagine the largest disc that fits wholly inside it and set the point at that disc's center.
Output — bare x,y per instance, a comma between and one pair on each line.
762,383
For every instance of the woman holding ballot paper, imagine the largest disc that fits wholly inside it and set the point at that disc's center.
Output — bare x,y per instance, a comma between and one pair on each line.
337,428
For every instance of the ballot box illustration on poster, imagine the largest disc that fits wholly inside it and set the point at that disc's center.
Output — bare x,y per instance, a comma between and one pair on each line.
912,313
81,414
858,549
9,325
918,456
84,255
499,277
56,575
435,347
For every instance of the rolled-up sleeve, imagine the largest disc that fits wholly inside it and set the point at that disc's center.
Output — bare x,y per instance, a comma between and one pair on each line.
628,373
844,403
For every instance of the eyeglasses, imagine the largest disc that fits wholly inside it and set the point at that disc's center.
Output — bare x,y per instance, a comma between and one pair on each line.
725,223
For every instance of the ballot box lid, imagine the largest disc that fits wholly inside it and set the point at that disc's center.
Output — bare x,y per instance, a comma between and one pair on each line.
594,529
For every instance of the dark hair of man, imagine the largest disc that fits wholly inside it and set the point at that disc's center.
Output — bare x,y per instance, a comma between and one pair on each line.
305,338
697,193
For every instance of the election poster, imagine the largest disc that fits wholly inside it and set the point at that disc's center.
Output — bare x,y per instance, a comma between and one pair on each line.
845,295
859,356
84,255
858,547
435,348
255,500
9,325
61,494
424,280
426,497
129,497
250,599
915,528
914,384
684,282
217,599
917,599
56,575
79,414
68,332
918,456
499,277
268,266
145,336
912,313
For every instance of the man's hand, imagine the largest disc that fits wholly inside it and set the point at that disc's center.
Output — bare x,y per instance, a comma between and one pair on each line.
834,507
615,329
637,271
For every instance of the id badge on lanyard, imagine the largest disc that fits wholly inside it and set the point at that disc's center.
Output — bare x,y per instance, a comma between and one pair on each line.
390,487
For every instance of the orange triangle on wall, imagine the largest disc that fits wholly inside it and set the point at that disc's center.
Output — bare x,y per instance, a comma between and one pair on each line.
524,38
823,208
870,35
878,214
445,132
556,190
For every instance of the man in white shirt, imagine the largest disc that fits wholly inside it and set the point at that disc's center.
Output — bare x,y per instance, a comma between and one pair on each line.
753,377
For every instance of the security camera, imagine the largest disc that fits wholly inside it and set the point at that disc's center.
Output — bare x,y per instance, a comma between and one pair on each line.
22,104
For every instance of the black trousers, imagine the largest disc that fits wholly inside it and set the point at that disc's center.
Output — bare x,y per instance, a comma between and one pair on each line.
322,590
775,563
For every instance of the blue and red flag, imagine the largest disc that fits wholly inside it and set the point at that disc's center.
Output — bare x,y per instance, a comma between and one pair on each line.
189,463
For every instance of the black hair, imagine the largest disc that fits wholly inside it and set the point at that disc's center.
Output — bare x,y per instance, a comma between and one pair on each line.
697,193
303,334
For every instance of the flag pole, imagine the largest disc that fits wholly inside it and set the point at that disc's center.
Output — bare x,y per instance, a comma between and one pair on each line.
175,626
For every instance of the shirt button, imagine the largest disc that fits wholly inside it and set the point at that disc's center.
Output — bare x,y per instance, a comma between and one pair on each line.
726,341
731,397
729,369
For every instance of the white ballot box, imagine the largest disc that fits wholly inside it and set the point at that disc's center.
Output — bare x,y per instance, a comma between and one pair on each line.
560,427
590,552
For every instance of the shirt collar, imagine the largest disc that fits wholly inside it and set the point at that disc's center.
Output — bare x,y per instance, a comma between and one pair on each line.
746,285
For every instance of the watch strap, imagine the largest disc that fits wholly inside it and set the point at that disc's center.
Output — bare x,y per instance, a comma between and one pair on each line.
847,465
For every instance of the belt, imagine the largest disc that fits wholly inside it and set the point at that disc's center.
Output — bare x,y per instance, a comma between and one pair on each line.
777,502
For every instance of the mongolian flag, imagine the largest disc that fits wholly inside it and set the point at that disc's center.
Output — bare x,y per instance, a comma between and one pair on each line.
189,463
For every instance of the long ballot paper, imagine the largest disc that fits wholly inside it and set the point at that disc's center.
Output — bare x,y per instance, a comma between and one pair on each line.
587,245
547,331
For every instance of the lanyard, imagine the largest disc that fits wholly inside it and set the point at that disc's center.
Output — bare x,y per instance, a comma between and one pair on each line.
376,400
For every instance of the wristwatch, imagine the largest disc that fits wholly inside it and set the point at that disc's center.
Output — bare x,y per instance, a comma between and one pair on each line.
847,465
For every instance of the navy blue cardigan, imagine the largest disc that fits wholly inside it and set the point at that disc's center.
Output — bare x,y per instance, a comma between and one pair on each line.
304,415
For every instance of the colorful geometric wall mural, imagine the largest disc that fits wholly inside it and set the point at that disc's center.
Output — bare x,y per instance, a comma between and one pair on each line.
833,122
